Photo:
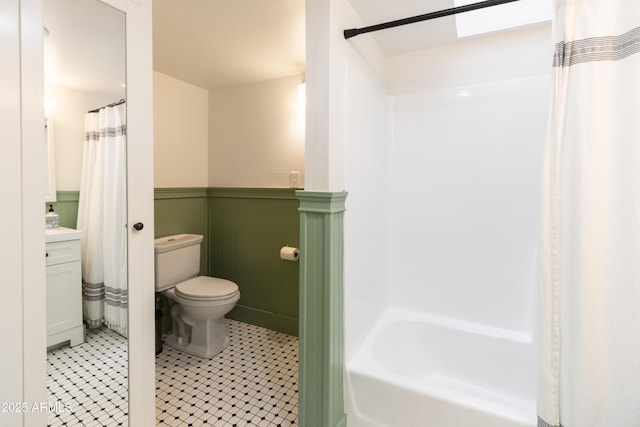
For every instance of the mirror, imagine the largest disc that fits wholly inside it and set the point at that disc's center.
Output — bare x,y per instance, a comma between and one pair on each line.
84,58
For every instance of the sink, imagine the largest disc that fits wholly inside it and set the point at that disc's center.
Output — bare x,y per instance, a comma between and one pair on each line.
61,234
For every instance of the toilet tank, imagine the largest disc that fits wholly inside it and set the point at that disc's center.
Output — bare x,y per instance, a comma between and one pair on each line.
177,258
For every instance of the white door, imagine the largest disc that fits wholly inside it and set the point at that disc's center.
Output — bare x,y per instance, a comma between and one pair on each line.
22,267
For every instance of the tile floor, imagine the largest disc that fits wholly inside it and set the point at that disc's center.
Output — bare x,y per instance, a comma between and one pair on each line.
253,382
91,380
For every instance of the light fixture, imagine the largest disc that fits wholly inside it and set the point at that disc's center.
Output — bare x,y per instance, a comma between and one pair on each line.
302,96
50,104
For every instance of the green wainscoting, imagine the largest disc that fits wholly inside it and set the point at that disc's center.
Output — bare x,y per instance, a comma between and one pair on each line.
247,228
321,394
66,207
244,229
182,211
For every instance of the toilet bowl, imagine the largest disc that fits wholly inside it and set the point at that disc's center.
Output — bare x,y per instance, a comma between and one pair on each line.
198,303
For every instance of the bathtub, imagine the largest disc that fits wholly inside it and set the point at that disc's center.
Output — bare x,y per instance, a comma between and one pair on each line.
417,370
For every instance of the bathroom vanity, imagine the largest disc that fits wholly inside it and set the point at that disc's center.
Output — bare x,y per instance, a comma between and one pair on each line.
64,287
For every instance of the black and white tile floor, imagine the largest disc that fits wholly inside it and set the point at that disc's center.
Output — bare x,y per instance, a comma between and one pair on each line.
253,382
91,380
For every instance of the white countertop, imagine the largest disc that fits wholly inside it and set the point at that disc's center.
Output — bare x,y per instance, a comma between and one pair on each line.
61,234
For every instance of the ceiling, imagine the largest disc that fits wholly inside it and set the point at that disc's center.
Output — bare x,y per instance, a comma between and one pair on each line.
220,43
208,43
85,45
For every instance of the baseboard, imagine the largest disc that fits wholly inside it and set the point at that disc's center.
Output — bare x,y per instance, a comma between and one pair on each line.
275,322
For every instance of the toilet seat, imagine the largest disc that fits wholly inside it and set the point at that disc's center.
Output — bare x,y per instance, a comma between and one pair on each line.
204,288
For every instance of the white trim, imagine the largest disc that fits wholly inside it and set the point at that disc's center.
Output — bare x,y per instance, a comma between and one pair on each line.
11,334
33,236
24,324
140,209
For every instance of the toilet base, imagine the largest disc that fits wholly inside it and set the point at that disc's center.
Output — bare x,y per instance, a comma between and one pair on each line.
197,350
199,327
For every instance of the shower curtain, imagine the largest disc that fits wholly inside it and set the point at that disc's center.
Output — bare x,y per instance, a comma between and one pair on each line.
102,219
590,246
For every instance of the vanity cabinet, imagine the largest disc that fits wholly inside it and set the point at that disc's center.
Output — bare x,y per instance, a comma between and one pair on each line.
64,288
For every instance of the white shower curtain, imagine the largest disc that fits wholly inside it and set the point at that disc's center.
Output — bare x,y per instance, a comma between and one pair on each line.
590,247
102,219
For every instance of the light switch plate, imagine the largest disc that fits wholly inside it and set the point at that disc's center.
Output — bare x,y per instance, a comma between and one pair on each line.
294,179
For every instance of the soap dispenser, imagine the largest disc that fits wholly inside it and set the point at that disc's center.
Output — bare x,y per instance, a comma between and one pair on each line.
51,218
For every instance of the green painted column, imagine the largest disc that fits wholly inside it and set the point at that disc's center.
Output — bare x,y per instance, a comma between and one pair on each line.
321,394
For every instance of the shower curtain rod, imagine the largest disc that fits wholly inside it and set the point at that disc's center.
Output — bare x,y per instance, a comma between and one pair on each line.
426,17
113,104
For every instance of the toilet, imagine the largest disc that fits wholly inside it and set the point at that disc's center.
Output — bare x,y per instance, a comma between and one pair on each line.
198,303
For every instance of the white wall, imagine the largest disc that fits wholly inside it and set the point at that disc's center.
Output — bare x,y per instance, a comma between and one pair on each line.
491,58
327,58
466,176
367,217
68,115
181,146
256,134
246,136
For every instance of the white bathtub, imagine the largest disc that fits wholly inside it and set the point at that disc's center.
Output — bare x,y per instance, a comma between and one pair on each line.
416,370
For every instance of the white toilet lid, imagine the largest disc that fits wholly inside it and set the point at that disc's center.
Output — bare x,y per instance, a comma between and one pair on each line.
206,288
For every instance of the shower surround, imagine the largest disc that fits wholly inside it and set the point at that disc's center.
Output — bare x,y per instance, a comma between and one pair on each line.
444,153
